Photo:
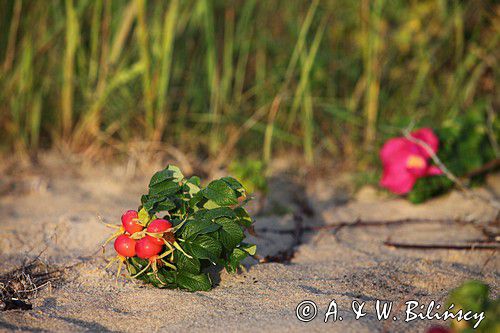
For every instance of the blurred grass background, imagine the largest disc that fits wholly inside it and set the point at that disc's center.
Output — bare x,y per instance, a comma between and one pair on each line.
240,78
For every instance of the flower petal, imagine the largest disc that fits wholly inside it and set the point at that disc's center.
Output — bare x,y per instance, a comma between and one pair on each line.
434,171
396,150
397,179
428,136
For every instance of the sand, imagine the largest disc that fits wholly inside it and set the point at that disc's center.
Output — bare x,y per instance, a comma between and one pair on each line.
58,207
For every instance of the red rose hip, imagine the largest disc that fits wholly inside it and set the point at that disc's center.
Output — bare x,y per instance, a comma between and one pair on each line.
157,226
129,222
145,248
125,246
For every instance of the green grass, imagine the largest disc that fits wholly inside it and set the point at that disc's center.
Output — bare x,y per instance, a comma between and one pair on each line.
232,78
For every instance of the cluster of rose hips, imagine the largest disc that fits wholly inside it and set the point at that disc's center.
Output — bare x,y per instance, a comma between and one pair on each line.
145,247
146,241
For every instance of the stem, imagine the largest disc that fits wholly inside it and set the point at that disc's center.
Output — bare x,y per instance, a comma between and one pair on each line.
113,236
142,271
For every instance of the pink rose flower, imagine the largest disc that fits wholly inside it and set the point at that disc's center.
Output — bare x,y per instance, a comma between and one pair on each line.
405,161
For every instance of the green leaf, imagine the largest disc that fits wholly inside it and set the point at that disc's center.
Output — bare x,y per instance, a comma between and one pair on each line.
234,184
138,262
192,189
165,205
148,202
197,198
235,259
171,172
198,227
163,278
204,247
165,188
221,193
212,214
251,249
195,180
135,265
210,204
194,282
144,216
230,234
191,265
243,217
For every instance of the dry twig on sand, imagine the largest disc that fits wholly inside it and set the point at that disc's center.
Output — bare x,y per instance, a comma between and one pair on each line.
19,286
472,246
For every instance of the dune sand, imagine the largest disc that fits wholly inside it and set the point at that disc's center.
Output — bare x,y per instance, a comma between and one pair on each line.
58,207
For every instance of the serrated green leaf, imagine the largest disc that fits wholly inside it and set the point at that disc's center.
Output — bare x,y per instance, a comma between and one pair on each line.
243,217
171,172
195,180
166,205
165,188
221,193
230,234
194,282
212,214
178,176
191,265
163,278
233,183
197,198
203,247
235,259
198,227
148,201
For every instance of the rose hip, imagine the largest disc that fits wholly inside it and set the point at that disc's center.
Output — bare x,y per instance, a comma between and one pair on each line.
125,246
158,226
129,222
145,248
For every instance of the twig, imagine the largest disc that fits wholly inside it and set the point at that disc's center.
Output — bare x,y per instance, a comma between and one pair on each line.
491,165
475,246
357,223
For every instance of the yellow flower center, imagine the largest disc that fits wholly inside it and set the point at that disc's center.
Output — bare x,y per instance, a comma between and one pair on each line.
415,162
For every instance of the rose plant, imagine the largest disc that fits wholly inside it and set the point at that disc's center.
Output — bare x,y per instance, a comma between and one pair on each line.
181,229
466,144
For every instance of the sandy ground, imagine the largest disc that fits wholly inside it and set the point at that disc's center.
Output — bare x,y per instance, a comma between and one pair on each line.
58,206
